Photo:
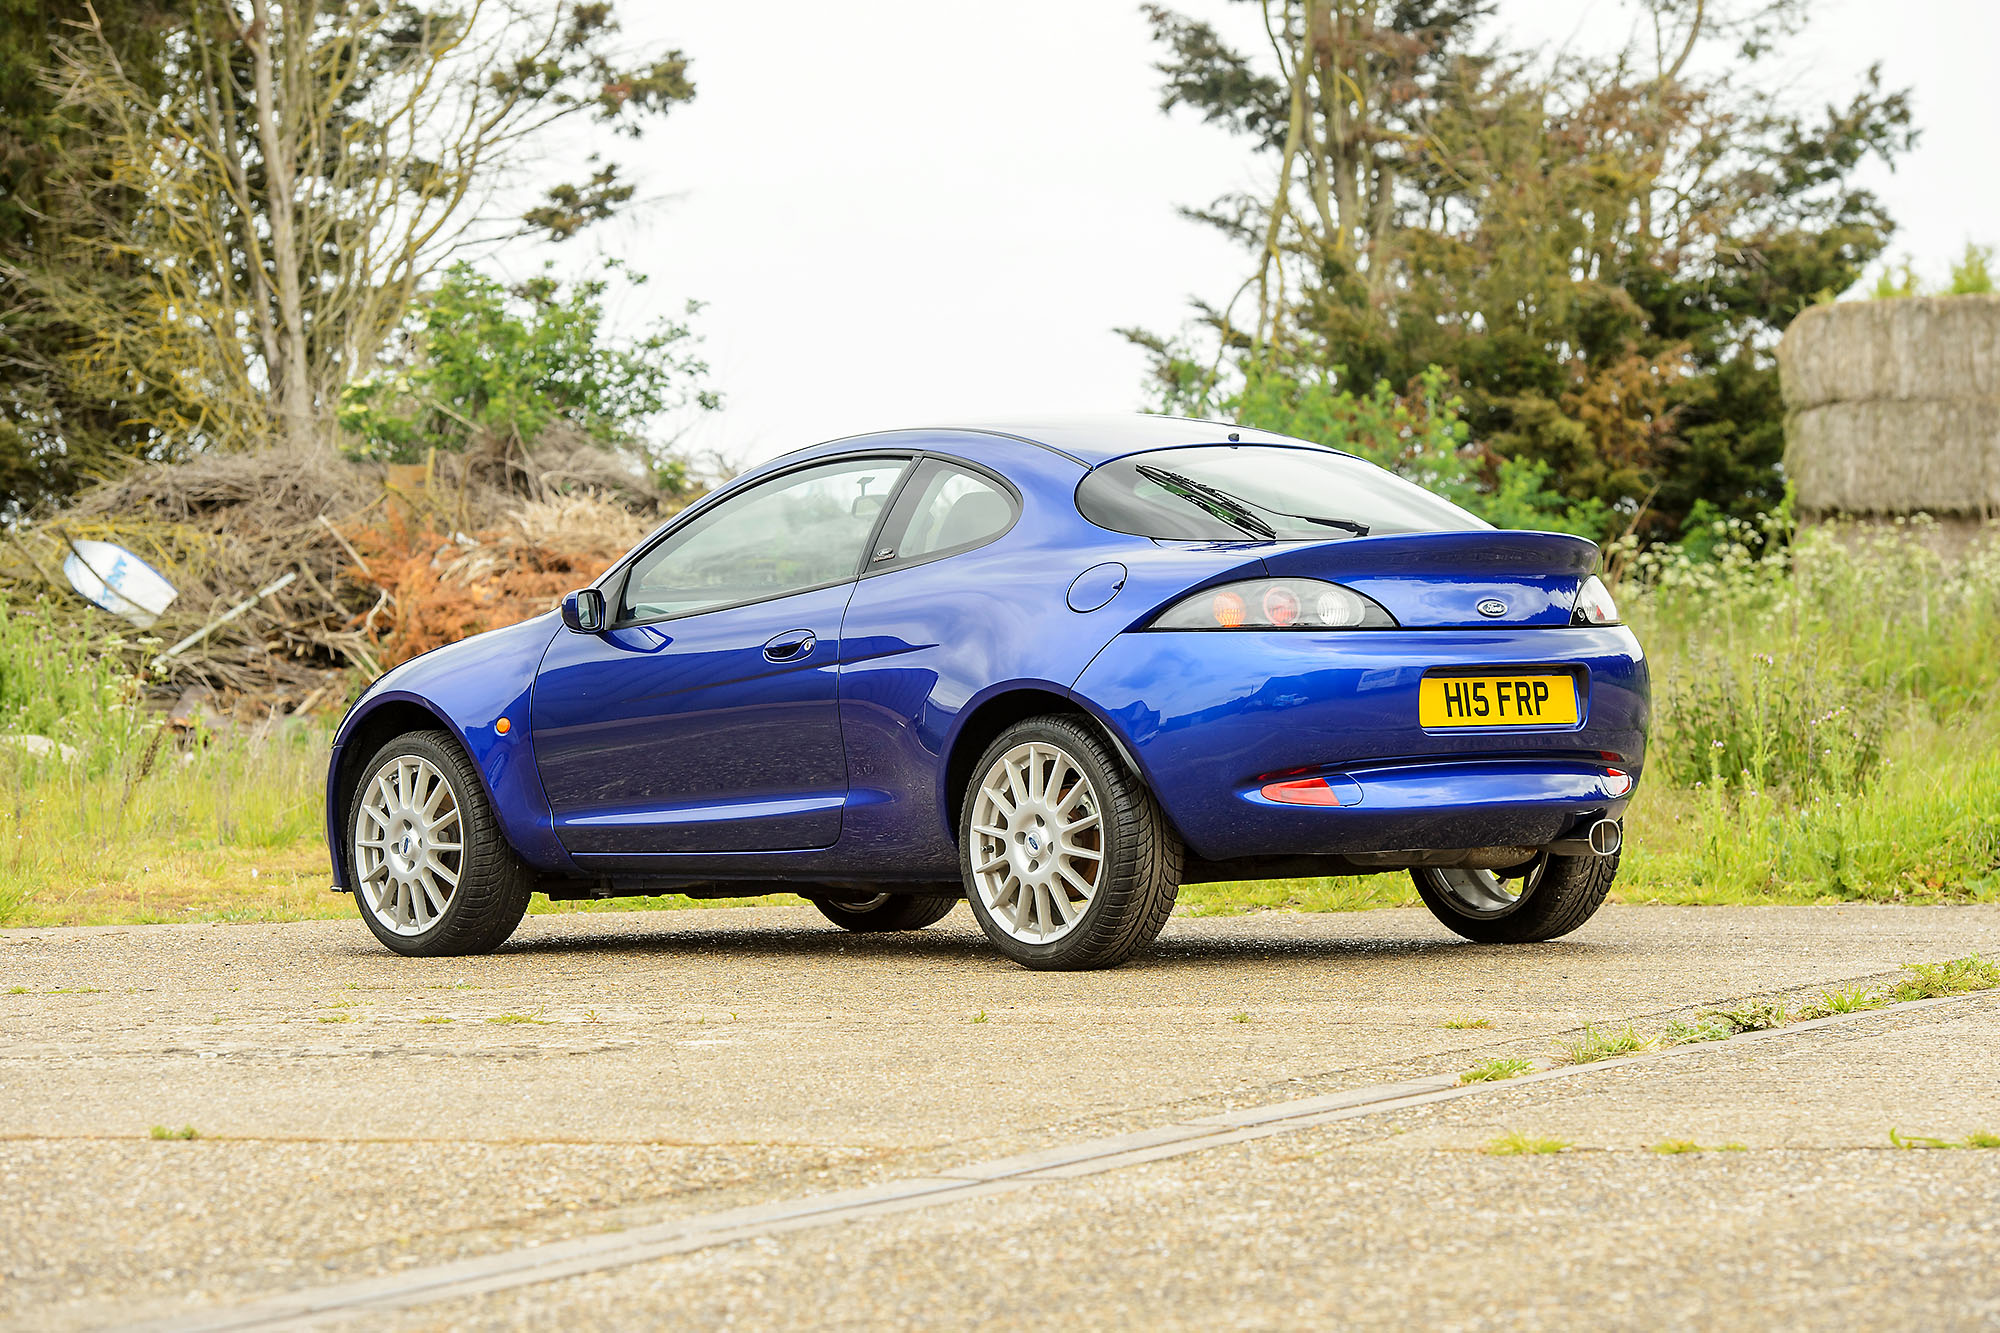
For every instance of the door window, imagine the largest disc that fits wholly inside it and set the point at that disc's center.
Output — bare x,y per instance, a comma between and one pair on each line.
950,509
806,529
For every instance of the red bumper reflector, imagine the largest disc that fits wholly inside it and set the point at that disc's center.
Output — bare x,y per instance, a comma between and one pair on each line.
1303,791
1617,781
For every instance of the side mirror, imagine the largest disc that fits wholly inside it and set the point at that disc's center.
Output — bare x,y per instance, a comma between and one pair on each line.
583,611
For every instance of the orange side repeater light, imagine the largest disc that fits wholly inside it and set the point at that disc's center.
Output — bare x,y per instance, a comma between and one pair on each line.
503,726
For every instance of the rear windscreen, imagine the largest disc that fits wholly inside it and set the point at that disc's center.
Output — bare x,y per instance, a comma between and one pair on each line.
1260,492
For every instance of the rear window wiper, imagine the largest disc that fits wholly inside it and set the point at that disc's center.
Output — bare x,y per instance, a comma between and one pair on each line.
1239,506
1217,504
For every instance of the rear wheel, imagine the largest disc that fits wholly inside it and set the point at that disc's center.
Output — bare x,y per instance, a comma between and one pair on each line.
1069,862
870,912
433,874
1551,896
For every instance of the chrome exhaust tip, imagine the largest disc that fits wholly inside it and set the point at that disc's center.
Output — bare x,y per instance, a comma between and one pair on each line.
1606,837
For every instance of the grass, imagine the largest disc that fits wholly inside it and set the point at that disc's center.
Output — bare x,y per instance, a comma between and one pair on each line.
1493,1071
336,1018
535,1017
1752,1015
162,1132
1850,1000
1677,1147
1958,976
1978,1139
434,1018
1468,1022
1605,1044
1516,1144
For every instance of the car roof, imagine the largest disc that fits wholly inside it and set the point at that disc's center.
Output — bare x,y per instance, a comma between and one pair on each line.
1091,440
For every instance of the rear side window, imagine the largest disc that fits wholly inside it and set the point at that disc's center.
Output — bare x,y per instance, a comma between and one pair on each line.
1260,492
946,509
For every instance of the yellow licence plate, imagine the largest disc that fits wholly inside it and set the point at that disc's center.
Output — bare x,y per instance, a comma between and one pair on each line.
1497,701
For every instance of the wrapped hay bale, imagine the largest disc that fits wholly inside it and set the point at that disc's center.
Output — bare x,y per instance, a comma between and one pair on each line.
1893,408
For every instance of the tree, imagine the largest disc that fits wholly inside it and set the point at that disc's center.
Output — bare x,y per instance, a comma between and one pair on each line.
488,370
308,166
55,431
1600,253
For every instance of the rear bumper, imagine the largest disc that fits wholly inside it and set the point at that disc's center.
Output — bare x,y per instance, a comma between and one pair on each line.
1210,718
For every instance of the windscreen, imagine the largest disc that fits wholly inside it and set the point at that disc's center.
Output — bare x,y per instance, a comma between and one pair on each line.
1260,492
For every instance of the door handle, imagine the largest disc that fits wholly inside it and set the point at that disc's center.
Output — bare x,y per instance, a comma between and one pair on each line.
790,646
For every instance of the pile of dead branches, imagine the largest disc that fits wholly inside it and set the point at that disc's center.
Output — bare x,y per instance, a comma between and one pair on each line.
297,570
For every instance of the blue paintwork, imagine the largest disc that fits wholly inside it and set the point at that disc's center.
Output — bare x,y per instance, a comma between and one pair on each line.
678,750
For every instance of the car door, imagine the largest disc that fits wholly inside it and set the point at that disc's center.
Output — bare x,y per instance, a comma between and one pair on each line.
914,646
705,718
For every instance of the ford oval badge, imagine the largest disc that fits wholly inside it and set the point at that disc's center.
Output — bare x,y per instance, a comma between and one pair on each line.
1492,606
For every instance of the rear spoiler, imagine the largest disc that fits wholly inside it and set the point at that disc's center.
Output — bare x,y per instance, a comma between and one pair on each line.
1492,552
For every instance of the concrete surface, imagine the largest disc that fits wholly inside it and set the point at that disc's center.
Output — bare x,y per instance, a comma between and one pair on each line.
683,1063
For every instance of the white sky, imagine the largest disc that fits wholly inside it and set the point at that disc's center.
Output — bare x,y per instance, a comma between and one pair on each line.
904,211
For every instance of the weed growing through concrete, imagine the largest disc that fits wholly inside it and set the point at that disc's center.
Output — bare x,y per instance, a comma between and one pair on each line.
1973,1140
434,1018
78,990
535,1017
1852,1000
336,1018
1960,976
1493,1071
1703,1028
1676,1147
1516,1144
17,990
1753,1015
184,1132
1462,1022
1239,1018
979,1017
1596,1045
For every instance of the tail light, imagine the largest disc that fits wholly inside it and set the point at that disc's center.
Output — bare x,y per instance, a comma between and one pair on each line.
1276,604
1593,604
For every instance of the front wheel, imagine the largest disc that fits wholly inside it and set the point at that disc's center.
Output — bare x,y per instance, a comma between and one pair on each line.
433,874
1552,897
868,913
1069,862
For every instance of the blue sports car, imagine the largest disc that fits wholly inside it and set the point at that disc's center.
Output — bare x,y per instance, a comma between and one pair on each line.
1055,669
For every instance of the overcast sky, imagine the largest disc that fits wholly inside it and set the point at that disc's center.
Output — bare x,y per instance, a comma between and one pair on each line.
904,212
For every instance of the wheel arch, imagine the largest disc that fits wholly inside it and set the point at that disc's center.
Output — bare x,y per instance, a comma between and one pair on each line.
361,738
993,715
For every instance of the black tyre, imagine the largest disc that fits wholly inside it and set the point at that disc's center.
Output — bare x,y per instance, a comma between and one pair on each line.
1069,862
1555,896
867,913
432,873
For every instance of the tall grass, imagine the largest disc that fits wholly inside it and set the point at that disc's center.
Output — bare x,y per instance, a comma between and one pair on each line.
1827,716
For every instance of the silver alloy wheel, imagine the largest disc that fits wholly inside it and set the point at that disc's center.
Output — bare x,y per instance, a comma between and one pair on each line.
1484,893
408,845
1038,853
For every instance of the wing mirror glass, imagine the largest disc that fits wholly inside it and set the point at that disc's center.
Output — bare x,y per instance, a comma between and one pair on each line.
583,610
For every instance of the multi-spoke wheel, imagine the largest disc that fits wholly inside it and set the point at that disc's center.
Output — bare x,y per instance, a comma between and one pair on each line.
1068,860
432,873
868,913
1550,896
